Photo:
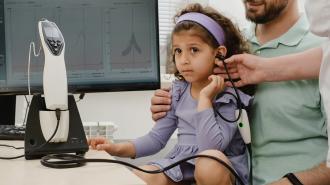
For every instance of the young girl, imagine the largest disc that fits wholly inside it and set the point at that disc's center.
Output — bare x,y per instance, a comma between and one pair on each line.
200,34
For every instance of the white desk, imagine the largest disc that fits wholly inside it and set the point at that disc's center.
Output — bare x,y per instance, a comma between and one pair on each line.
32,172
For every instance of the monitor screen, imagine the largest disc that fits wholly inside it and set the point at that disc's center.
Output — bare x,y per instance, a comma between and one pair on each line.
110,45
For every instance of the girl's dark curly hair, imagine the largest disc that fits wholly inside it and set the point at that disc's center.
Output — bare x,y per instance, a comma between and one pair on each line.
234,41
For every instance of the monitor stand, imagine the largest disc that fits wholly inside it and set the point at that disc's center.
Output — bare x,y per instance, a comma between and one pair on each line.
7,109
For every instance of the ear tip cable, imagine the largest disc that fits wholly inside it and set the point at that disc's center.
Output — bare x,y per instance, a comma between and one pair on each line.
240,105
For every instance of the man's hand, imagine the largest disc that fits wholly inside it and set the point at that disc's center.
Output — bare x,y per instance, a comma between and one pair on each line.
245,68
160,103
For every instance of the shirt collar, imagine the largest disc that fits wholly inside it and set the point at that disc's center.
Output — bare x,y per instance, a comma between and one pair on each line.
291,38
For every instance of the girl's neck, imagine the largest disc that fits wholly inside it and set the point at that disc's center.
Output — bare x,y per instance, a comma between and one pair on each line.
196,87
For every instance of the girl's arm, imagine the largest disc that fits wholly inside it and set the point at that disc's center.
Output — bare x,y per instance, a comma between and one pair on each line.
146,145
157,138
124,149
212,132
209,132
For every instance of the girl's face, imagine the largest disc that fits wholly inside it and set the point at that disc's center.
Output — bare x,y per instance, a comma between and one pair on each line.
194,58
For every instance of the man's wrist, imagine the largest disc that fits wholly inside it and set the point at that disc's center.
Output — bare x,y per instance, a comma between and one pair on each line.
268,74
293,179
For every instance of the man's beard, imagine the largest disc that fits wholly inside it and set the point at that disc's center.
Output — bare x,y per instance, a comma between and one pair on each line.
271,11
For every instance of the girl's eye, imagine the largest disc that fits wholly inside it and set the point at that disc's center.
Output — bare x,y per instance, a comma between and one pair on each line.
177,51
194,50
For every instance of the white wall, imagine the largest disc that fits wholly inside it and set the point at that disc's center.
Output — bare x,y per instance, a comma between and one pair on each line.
233,9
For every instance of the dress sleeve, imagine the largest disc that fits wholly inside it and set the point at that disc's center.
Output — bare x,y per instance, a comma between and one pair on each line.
157,138
212,131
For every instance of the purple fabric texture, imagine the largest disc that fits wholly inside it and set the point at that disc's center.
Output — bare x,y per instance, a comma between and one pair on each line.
197,131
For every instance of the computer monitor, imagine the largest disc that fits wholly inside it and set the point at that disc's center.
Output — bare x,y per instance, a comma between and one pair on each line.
111,45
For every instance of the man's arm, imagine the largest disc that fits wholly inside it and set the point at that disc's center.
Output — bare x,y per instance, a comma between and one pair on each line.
319,175
300,66
251,69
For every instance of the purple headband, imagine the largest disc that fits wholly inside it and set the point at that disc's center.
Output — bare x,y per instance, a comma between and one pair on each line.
206,22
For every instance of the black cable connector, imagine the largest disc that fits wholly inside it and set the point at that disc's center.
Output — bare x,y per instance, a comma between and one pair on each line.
81,96
58,114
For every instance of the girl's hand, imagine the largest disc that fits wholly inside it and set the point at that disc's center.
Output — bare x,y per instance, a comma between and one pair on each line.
213,88
101,143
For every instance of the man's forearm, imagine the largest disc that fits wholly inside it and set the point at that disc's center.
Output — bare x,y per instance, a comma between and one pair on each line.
319,175
304,65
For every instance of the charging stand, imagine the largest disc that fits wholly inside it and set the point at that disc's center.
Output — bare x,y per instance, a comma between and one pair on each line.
76,142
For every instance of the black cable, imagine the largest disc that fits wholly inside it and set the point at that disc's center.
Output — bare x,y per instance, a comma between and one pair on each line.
10,146
71,161
240,107
238,98
58,115
26,110
249,147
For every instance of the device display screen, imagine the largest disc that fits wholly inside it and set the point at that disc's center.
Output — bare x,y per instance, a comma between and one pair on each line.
51,32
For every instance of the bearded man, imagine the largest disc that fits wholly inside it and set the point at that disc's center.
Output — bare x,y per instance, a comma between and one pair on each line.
287,118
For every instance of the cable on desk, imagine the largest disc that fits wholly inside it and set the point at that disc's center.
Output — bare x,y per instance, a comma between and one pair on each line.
72,161
10,146
58,115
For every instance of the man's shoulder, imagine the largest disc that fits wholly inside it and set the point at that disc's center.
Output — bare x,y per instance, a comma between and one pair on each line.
312,40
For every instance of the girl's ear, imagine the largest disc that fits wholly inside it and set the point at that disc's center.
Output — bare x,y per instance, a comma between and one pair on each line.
222,50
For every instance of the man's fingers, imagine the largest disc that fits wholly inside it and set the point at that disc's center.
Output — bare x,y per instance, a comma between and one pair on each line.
163,92
237,84
233,76
160,108
230,69
235,59
157,116
156,100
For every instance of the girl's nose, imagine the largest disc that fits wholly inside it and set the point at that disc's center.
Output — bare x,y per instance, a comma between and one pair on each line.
185,59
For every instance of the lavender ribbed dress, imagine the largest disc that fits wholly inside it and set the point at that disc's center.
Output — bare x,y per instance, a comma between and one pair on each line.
197,131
